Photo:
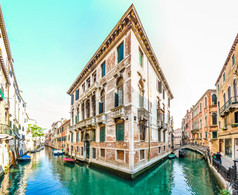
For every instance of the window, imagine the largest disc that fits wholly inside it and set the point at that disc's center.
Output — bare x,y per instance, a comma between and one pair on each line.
141,94
233,60
120,131
159,149
77,137
205,102
82,136
102,153
218,87
168,102
200,123
159,135
102,103
120,52
83,87
214,135
163,94
88,108
225,122
82,111
72,137
94,77
229,94
141,57
77,94
72,99
214,99
68,137
224,77
218,107
235,90
160,86
164,148
142,125
94,105
219,125
103,69
94,153
200,106
236,117
200,135
142,154
224,98
205,120
206,135
81,151
102,134
120,155
88,82
119,94
77,149
214,118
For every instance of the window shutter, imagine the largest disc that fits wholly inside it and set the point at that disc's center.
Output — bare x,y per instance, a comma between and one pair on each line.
120,132
102,134
100,107
120,52
116,99
72,99
160,86
157,84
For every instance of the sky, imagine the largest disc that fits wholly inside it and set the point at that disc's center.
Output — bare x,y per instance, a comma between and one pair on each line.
51,42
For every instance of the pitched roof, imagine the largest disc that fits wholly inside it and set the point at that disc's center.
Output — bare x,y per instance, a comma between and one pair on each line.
130,20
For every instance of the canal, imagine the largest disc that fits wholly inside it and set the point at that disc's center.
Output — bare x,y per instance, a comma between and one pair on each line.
46,174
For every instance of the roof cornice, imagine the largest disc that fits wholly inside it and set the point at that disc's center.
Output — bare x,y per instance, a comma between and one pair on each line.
130,20
228,58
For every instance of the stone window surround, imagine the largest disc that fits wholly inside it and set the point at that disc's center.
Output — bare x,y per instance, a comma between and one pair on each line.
124,160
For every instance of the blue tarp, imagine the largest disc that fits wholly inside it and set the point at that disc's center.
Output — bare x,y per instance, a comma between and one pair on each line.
25,157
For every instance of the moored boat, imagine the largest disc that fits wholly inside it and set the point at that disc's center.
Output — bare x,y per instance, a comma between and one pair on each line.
69,160
24,158
33,151
181,153
171,156
57,152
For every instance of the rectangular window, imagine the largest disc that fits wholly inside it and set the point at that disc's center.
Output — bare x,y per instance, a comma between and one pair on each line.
88,82
236,117
120,155
164,148
77,137
103,69
206,135
168,102
102,134
142,154
72,99
163,94
116,100
120,131
214,134
120,52
224,77
72,137
81,152
233,60
200,135
83,87
102,153
160,86
94,153
225,123
68,137
81,136
77,94
141,57
159,149
94,77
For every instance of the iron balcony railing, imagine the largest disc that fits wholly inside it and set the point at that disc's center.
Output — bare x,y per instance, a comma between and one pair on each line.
231,101
4,129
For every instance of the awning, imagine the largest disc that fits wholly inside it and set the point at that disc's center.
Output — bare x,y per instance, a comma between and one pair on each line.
1,94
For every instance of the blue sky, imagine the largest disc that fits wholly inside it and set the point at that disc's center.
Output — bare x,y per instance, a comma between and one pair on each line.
51,41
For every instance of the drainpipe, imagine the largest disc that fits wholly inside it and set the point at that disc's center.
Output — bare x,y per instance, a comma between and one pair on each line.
148,91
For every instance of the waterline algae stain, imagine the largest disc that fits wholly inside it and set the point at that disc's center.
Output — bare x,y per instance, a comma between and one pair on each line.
48,174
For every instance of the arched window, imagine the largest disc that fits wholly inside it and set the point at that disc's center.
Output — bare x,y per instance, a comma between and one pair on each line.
214,99
229,94
214,118
141,94
102,103
88,108
119,93
82,109
94,105
224,98
235,90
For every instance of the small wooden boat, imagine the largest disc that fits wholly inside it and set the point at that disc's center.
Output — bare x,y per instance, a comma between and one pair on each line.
33,151
24,158
171,156
69,160
57,152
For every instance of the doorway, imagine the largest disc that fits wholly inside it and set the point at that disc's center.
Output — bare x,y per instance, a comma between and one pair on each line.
87,149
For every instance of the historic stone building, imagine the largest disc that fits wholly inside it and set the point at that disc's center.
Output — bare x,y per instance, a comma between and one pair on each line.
203,120
120,103
228,104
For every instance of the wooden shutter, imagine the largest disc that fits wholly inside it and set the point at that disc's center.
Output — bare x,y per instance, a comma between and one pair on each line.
102,134
160,86
116,99
120,132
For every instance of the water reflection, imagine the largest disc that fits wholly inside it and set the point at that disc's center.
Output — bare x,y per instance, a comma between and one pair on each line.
47,174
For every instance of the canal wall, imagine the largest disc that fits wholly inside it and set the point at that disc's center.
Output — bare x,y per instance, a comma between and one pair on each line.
222,183
130,174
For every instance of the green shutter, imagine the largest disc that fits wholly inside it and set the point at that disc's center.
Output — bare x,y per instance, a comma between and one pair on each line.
120,52
120,132
102,134
116,99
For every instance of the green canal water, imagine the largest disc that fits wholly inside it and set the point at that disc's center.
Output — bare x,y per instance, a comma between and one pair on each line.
46,174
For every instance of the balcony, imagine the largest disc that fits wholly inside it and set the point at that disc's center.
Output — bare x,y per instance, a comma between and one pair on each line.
6,132
228,106
195,131
89,90
143,114
101,118
91,121
118,112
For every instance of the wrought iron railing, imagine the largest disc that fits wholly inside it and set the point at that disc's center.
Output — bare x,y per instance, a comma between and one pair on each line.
232,100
